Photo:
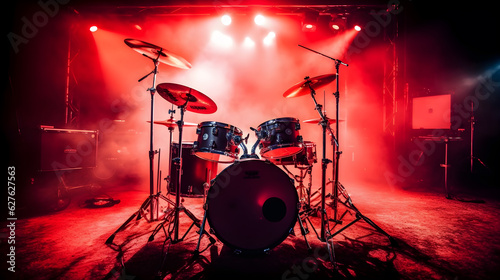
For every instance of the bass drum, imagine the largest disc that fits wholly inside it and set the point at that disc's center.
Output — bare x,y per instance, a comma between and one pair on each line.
252,206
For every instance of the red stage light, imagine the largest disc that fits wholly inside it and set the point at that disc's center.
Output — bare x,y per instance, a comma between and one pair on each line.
308,27
337,24
221,40
259,19
268,40
357,28
93,28
248,42
226,20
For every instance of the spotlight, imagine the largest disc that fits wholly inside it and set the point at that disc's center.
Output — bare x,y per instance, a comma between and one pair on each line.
268,40
309,21
248,42
259,19
337,24
222,40
93,28
357,21
226,19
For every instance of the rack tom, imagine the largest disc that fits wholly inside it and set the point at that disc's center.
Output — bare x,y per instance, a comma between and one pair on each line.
279,138
217,142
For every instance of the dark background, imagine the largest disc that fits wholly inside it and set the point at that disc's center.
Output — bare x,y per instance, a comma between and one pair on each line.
448,46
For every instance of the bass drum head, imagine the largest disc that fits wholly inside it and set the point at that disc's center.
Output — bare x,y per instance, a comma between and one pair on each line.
252,206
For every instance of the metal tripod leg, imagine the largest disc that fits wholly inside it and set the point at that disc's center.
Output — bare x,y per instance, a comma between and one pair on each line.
202,228
304,233
195,222
124,225
348,203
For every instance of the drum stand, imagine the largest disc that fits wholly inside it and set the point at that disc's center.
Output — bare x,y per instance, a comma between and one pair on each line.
152,202
178,207
304,192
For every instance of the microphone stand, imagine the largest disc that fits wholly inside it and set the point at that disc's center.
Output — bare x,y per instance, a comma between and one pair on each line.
336,190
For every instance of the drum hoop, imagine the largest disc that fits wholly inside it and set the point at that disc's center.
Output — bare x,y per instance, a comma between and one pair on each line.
273,121
184,144
234,156
309,144
264,151
221,125
287,145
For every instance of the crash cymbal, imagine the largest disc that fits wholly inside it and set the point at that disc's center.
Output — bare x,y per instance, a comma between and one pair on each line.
316,121
179,94
173,123
153,52
304,88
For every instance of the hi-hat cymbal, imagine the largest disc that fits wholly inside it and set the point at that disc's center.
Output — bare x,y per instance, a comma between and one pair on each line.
316,121
153,52
304,88
179,94
170,123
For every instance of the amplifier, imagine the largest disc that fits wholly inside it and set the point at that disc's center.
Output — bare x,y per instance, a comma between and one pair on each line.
65,149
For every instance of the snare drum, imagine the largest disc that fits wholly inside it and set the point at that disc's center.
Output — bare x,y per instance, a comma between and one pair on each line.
279,138
306,157
217,142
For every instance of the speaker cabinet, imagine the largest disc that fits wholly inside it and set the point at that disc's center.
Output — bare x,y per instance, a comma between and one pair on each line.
66,149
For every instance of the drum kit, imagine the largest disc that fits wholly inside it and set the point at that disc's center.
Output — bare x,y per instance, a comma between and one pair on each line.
253,204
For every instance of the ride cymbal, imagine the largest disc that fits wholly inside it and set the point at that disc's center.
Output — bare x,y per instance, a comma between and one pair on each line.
316,121
170,123
305,87
155,52
178,95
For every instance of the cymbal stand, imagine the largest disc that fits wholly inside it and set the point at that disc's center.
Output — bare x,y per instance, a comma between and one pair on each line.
178,206
324,163
170,131
152,200
338,188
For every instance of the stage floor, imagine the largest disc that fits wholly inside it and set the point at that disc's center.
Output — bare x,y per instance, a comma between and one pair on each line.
437,238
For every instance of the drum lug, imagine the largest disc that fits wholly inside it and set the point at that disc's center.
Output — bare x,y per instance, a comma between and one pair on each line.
297,126
299,138
263,134
215,131
198,131
279,139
